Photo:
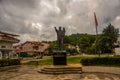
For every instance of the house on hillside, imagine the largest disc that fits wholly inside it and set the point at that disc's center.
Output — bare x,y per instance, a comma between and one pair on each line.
31,47
6,44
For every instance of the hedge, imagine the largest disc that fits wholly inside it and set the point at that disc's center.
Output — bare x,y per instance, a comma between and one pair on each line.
107,61
9,62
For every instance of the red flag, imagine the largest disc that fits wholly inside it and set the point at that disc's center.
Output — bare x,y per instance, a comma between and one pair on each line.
96,22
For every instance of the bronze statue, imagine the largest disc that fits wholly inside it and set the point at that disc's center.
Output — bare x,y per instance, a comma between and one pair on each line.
60,35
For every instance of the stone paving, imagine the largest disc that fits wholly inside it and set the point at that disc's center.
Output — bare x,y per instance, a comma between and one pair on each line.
30,73
113,70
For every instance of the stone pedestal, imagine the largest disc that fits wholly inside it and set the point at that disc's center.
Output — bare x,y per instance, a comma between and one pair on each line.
59,57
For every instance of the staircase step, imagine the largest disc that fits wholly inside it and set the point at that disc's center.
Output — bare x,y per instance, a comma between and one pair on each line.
61,70
65,68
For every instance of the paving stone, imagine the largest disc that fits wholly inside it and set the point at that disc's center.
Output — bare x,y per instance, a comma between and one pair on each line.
30,73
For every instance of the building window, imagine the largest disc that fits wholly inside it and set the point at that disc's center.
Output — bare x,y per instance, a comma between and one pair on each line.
3,46
35,47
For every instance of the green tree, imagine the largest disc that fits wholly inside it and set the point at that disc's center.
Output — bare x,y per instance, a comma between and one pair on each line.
71,51
73,38
86,42
67,40
108,38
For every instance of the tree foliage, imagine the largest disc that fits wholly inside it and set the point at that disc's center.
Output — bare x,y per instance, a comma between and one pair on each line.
73,38
86,43
108,38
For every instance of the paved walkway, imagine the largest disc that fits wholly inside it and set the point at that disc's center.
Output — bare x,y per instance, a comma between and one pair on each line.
26,60
112,70
30,73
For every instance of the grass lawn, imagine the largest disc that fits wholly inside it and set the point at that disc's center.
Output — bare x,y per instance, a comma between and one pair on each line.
74,59
46,62
70,60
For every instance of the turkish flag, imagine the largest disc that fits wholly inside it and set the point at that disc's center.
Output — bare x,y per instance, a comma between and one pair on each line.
96,21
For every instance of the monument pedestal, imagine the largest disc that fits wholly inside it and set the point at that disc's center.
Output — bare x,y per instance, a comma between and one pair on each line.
59,57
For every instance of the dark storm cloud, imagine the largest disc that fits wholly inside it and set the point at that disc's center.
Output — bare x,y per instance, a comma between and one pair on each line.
36,19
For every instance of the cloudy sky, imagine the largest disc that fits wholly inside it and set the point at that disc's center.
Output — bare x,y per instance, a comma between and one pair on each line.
36,19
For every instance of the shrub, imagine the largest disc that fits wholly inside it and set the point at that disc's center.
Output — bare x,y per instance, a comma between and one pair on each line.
22,54
25,54
9,62
109,61
71,51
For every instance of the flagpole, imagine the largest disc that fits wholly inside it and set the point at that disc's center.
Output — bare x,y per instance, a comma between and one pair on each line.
96,31
96,25
97,40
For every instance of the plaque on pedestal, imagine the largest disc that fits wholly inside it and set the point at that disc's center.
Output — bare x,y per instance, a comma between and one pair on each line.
59,57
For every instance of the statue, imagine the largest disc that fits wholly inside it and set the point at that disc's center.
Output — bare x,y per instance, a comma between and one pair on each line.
60,35
59,56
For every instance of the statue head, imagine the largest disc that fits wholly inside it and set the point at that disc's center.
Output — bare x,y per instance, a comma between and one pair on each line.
59,28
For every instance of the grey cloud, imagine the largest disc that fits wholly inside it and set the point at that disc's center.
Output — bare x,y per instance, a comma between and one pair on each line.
108,9
35,19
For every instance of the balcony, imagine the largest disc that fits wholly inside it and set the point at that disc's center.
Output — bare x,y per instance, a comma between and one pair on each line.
9,40
6,48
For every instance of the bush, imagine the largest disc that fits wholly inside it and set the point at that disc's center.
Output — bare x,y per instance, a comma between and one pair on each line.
90,51
108,61
25,54
71,51
22,54
9,62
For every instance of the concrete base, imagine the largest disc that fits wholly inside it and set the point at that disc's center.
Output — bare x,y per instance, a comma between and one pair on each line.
59,57
62,69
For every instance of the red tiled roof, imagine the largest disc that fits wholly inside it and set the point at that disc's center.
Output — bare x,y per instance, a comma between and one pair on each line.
32,43
5,33
9,38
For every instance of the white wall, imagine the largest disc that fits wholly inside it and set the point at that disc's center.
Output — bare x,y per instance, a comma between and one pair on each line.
117,51
7,44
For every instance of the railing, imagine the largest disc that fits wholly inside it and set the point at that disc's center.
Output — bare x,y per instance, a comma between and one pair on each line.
6,48
5,39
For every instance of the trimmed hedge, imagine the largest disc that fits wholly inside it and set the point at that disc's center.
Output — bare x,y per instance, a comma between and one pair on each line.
9,62
107,61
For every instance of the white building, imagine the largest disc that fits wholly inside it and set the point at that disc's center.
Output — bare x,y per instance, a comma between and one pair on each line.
6,44
117,49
